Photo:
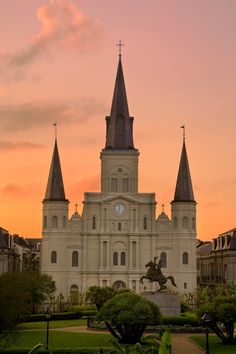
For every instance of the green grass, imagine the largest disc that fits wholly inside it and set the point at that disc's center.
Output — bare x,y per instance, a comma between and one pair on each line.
53,324
58,339
215,345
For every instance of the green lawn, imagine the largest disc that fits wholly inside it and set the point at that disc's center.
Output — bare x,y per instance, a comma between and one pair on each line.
59,339
215,345
53,324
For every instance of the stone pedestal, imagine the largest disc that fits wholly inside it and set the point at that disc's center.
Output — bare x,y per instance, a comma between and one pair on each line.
169,304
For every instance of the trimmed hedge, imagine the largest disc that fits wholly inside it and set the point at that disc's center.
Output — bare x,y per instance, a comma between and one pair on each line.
93,350
181,321
75,313
54,317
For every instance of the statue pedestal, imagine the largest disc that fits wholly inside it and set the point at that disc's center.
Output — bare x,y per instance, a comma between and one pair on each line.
169,304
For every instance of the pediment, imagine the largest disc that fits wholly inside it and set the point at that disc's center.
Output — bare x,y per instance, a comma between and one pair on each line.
119,197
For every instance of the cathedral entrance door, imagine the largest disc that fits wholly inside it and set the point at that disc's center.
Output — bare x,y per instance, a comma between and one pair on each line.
119,285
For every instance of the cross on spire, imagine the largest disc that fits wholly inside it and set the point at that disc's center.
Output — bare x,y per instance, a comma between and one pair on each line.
183,127
163,208
55,125
76,206
120,45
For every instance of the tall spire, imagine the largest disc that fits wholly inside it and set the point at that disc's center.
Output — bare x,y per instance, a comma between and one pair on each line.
55,188
119,123
184,189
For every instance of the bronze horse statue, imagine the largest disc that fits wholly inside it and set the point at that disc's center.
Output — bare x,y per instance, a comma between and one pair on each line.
154,273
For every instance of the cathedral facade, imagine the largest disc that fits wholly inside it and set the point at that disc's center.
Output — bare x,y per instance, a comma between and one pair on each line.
118,232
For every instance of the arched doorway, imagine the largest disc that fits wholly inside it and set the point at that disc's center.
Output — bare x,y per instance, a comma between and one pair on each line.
119,285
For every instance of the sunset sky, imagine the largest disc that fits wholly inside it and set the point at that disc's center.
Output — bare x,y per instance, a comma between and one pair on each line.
58,61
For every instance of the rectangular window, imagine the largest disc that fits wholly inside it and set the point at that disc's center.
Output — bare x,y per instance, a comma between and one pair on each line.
94,223
114,185
125,185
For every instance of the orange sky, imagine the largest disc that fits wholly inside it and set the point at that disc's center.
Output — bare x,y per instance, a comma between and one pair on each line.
58,62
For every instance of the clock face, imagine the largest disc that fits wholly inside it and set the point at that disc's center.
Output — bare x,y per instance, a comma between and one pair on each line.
119,209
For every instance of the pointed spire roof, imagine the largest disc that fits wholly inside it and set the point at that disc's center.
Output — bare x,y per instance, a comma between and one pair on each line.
119,123
55,188
184,189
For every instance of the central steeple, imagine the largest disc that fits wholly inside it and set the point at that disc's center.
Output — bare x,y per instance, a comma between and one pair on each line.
119,133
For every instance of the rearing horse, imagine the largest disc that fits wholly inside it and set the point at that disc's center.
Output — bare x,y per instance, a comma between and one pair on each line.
154,273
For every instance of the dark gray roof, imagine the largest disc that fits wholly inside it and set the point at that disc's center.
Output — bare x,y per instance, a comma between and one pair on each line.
3,240
119,123
55,188
233,241
184,189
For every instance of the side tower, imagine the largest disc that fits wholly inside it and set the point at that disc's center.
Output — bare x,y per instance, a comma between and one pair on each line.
119,158
183,225
55,219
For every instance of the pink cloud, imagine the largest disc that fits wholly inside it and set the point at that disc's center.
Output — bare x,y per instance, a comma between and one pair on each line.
64,25
4,145
15,190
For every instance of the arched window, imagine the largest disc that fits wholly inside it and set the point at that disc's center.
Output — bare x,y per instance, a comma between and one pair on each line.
94,223
145,223
115,258
74,294
45,222
185,258
114,185
125,185
163,260
53,257
193,223
75,259
175,223
119,226
54,221
185,222
122,258
64,222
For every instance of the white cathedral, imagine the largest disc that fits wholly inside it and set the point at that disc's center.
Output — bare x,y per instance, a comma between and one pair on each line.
118,232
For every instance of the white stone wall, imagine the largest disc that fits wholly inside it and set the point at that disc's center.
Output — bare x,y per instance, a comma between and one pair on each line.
100,232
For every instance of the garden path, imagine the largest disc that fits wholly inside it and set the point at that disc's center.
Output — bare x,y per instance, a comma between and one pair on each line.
181,343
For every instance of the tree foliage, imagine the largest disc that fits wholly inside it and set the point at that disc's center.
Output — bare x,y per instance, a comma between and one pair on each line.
222,310
19,294
100,295
128,314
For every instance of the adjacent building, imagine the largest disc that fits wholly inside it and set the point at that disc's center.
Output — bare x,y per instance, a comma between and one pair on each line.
216,260
118,232
18,253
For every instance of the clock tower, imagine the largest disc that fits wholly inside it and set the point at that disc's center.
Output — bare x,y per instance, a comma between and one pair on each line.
119,168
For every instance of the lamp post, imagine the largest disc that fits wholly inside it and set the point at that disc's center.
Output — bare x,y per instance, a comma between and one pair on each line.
207,320
47,316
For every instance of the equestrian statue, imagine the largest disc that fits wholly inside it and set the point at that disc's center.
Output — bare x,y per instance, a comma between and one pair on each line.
154,273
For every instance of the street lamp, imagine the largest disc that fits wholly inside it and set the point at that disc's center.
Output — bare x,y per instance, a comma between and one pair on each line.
207,320
47,316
